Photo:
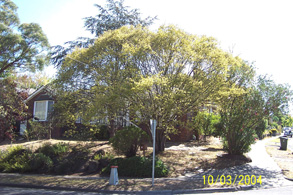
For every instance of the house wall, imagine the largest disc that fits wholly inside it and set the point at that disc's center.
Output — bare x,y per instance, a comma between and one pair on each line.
56,132
184,134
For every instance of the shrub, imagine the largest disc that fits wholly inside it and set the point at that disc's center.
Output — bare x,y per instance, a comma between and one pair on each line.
103,133
41,163
106,156
137,167
82,132
36,130
127,140
64,166
16,159
53,150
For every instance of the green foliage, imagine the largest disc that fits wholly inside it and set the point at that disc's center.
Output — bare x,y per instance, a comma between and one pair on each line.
205,122
127,140
113,16
276,119
103,133
53,150
106,156
36,130
41,163
12,108
22,45
64,166
149,75
57,158
137,167
88,132
31,81
243,109
16,159
287,121
260,128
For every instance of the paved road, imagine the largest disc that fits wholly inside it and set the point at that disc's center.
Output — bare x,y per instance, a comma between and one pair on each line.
28,191
272,191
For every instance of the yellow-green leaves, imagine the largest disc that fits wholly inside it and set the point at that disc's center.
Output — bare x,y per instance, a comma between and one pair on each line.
161,75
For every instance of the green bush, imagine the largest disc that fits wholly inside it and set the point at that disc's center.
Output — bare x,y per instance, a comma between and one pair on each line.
53,150
127,140
16,159
41,163
36,130
64,166
103,133
137,167
106,156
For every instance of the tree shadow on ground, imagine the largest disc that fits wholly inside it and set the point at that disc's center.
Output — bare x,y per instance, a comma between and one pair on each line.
187,144
269,178
211,149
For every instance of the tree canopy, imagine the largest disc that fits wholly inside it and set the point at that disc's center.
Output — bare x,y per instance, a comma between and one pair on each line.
244,109
113,16
161,75
22,46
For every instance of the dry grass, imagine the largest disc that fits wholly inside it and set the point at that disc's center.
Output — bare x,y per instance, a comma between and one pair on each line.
191,157
195,157
182,158
284,158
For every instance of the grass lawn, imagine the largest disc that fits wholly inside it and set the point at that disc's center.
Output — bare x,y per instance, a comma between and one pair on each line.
284,158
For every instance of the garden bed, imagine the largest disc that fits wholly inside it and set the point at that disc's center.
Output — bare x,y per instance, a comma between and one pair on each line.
191,157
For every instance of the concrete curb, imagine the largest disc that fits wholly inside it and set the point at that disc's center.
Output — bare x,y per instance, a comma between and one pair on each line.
187,191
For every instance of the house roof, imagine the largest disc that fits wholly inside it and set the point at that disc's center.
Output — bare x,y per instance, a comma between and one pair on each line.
35,93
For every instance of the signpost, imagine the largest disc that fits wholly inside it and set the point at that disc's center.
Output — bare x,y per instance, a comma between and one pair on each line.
153,130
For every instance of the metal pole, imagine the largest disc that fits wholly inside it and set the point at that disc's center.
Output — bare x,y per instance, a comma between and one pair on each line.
153,124
154,155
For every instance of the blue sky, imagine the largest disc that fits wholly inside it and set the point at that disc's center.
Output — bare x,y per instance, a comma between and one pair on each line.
257,31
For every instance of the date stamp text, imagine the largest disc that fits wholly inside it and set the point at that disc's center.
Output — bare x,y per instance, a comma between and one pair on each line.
229,180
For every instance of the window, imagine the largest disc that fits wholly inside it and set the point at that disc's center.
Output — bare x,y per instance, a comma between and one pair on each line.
42,109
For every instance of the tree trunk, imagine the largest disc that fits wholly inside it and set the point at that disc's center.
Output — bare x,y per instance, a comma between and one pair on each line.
112,128
160,141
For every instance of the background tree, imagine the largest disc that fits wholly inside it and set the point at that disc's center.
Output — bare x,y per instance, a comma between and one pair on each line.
22,46
243,111
113,16
204,122
11,106
31,81
287,121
